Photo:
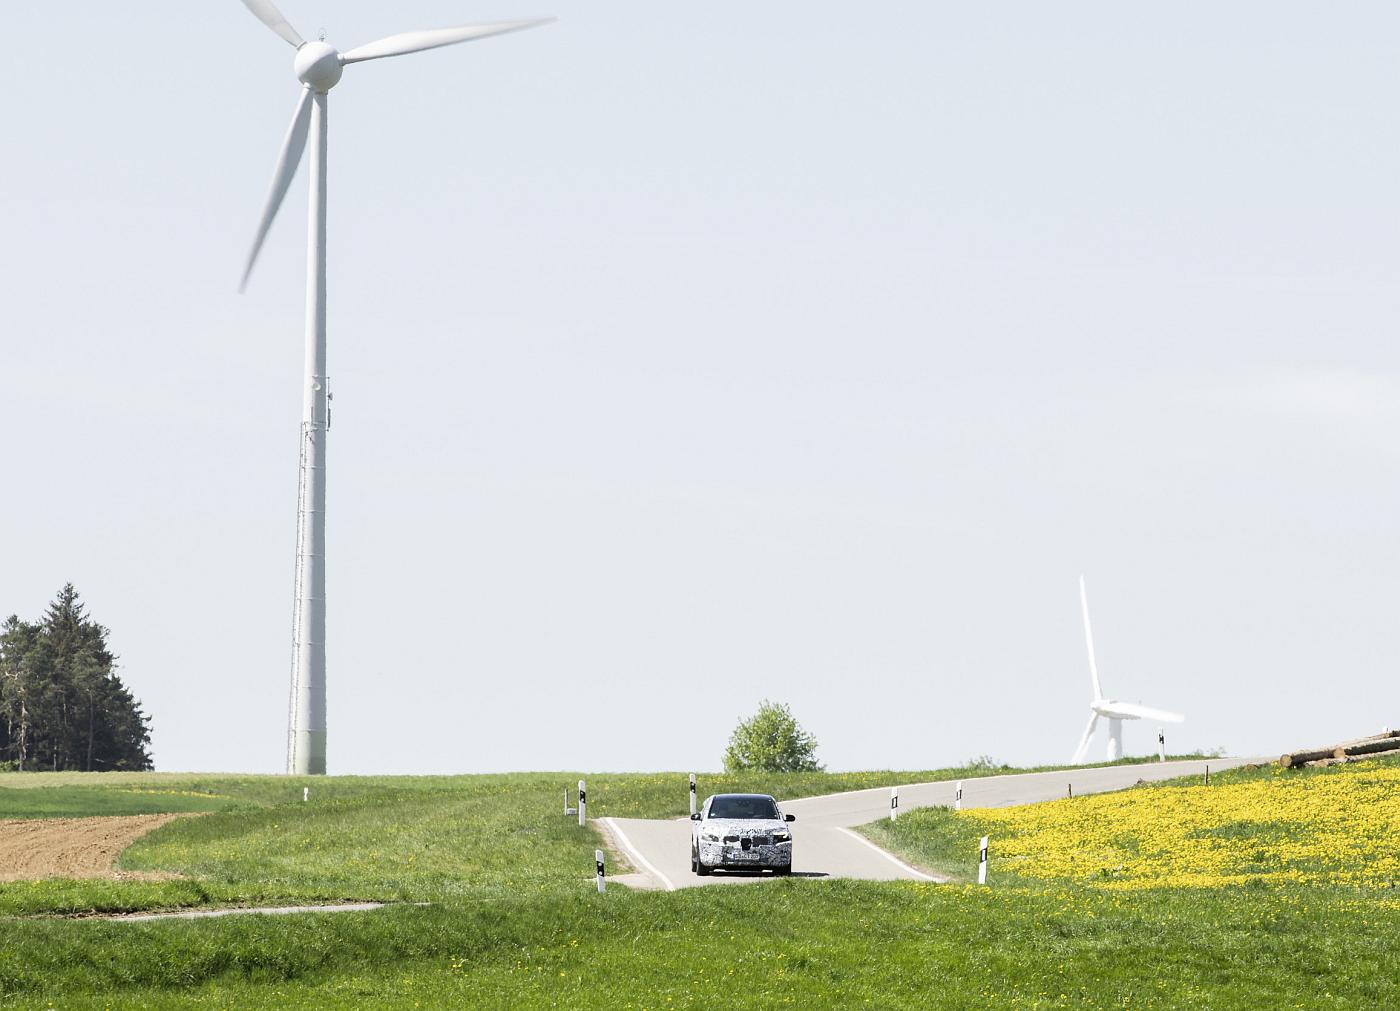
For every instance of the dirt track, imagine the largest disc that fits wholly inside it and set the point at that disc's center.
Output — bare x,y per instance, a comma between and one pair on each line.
71,847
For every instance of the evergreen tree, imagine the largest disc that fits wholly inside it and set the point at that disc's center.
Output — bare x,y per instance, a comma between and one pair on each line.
16,689
62,705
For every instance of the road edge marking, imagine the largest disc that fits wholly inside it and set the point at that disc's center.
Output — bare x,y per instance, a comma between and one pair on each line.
632,851
890,856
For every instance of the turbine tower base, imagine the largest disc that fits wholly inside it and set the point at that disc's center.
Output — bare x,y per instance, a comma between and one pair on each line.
308,754
1115,740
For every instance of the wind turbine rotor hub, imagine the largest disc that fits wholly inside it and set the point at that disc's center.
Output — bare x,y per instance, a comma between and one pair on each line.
318,66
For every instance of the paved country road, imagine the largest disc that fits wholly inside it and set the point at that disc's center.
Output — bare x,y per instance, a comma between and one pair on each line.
824,845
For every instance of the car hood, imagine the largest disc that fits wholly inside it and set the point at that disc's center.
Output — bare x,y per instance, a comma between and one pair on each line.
743,826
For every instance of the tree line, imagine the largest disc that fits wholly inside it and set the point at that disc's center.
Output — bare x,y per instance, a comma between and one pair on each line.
62,705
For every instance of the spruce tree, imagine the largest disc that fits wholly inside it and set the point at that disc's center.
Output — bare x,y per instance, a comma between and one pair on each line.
62,705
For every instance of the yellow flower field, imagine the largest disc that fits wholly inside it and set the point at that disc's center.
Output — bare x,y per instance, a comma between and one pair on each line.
1339,828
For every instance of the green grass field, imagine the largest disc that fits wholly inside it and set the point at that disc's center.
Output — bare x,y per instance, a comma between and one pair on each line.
514,921
410,839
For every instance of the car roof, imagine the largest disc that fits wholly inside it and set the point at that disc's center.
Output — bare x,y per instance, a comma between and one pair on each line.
765,796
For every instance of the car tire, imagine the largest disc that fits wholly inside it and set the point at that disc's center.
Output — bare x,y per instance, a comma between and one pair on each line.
694,862
783,871
700,869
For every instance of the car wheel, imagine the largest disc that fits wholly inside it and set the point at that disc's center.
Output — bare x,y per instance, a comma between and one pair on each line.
783,871
700,869
694,862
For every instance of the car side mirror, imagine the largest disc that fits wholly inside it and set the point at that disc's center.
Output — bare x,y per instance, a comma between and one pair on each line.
695,817
789,817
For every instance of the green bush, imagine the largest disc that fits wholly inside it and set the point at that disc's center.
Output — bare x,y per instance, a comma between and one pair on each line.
771,741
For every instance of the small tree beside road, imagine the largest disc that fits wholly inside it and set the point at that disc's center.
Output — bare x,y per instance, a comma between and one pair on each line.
771,741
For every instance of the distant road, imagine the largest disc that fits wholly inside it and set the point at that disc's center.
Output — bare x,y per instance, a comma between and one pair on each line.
825,846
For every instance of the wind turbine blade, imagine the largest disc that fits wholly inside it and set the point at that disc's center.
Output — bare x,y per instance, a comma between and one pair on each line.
287,162
1134,711
433,38
1083,749
269,15
1089,639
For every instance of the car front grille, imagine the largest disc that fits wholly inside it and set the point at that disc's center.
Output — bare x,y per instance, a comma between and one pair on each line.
748,841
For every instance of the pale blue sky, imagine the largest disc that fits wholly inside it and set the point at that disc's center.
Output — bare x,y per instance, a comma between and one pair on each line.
690,354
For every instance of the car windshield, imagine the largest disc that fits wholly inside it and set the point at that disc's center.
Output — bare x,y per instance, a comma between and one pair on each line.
743,807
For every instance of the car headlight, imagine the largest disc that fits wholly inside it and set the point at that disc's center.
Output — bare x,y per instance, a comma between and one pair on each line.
709,837
782,837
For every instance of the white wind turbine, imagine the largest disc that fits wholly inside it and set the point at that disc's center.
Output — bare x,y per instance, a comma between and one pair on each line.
318,66
1111,709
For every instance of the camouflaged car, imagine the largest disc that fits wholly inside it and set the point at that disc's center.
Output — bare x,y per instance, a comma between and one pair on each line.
741,831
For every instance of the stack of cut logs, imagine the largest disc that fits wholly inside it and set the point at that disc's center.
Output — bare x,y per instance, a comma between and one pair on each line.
1382,745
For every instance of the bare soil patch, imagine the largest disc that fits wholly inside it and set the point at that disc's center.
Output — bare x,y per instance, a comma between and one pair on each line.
72,847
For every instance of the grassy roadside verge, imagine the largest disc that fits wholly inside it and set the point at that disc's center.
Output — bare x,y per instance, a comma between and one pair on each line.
791,944
515,922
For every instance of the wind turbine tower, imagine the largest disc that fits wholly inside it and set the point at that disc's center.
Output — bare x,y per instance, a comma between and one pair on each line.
318,66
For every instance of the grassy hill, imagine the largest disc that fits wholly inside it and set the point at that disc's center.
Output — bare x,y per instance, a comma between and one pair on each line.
394,838
514,921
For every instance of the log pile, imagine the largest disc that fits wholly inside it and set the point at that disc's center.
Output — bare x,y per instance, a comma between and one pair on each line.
1382,745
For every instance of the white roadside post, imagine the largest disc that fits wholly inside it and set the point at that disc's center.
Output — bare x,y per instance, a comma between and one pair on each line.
894,802
982,863
957,801
305,794
582,803
598,859
692,793
567,808
1161,745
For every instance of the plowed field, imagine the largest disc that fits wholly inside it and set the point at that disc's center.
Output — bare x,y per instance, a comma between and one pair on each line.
70,847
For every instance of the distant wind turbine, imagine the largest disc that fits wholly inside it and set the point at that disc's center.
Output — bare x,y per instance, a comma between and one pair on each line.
1114,711
318,66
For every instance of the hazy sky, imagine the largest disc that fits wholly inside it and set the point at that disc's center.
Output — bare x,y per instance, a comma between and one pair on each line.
686,355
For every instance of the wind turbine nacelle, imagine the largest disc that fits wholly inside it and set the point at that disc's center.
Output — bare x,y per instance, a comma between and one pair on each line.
1109,709
318,66
1115,710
